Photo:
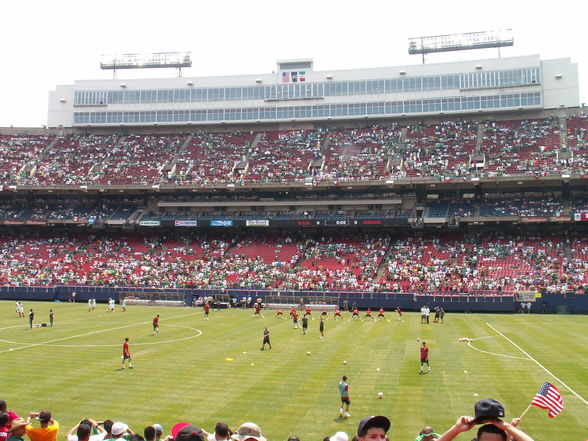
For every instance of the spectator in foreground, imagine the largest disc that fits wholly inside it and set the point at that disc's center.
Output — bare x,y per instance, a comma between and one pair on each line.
373,428
158,431
73,435
11,414
4,426
427,434
49,427
496,430
187,432
248,431
149,433
221,432
17,430
339,436
488,412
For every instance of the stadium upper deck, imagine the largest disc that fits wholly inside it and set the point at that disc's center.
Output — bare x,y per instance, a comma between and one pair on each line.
296,92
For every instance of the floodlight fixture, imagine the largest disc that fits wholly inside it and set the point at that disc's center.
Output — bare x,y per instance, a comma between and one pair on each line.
460,42
146,61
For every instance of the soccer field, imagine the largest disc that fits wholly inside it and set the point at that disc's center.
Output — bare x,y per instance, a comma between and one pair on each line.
209,371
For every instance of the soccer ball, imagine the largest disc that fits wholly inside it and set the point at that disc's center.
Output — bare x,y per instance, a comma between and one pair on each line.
344,361
380,395
308,353
418,339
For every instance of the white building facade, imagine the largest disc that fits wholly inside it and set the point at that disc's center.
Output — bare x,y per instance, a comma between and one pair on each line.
296,92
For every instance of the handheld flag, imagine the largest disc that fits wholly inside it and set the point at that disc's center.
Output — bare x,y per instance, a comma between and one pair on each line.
549,398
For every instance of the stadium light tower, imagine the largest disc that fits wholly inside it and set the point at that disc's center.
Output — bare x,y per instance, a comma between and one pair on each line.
460,42
155,60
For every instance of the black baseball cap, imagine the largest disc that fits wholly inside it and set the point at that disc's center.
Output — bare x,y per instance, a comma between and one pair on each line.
372,421
187,432
488,409
44,416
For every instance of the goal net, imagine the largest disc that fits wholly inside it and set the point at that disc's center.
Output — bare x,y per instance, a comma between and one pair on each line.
157,298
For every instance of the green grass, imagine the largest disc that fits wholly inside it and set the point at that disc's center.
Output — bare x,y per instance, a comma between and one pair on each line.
73,370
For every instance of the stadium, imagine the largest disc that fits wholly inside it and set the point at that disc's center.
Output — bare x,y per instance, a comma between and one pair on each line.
459,185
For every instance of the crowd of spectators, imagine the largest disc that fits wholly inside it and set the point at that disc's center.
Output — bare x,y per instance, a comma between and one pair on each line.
443,150
359,154
464,263
527,147
284,156
492,262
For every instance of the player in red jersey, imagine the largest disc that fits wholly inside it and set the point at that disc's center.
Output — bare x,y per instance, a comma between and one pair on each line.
399,312
280,314
381,314
126,354
156,324
308,311
295,320
292,311
368,314
425,357
206,310
324,314
257,310
354,314
338,314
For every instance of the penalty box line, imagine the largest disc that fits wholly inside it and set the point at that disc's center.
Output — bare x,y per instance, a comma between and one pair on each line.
31,345
538,364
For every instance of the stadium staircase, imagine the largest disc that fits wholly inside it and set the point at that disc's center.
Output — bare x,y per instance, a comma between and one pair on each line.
241,168
31,169
381,270
479,139
170,167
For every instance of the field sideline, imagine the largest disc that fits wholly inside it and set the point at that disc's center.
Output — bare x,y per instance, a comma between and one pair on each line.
208,371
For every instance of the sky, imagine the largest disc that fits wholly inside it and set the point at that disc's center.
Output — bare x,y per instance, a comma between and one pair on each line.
47,43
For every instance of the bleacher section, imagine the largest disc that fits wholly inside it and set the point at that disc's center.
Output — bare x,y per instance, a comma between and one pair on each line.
446,150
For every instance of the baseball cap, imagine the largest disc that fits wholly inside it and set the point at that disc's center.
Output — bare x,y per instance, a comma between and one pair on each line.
16,423
248,431
118,428
339,436
44,416
372,421
187,432
158,428
487,409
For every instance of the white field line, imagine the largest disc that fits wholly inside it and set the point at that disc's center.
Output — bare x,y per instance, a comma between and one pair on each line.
494,353
539,364
31,345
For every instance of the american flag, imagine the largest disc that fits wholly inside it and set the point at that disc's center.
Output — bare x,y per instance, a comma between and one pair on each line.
549,398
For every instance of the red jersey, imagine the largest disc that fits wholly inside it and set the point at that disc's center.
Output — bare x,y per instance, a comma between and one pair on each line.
295,317
206,308
280,312
126,349
424,352
337,312
155,321
368,312
356,311
257,308
382,311
308,310
292,311
398,311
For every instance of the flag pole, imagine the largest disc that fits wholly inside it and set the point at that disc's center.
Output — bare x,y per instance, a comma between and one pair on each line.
523,414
